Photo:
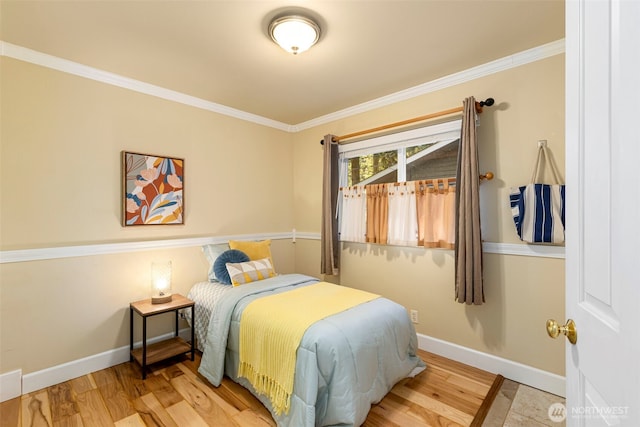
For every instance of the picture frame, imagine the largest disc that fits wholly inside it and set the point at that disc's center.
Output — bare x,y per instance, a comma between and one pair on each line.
152,189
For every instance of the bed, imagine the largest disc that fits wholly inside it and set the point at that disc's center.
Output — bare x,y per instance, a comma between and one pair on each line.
345,362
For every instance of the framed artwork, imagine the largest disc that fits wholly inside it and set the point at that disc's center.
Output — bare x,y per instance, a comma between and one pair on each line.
152,189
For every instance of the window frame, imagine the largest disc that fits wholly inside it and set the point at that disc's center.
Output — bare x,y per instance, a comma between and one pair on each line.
440,135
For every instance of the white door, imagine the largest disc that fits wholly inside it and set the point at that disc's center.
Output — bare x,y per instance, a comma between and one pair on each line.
603,211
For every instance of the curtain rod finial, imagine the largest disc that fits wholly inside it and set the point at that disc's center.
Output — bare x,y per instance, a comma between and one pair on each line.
488,102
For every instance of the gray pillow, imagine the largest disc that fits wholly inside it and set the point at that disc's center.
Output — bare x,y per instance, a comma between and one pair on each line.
212,252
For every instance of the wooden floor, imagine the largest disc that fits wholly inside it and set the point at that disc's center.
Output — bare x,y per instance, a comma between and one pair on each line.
447,393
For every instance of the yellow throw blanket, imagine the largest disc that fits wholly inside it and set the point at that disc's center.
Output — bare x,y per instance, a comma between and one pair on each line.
272,327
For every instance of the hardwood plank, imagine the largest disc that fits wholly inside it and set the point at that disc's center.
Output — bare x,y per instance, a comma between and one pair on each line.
453,366
239,397
206,388
232,393
152,412
116,400
162,390
175,394
393,403
451,386
206,407
434,405
36,410
62,402
170,372
185,415
249,418
480,387
130,377
83,383
396,403
93,410
392,418
10,412
104,376
447,394
74,420
376,419
131,421
194,364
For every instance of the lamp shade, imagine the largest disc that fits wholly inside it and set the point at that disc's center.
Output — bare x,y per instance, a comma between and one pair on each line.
161,282
295,34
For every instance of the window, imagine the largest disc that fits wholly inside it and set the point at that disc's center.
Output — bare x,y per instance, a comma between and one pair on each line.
399,214
425,153
374,168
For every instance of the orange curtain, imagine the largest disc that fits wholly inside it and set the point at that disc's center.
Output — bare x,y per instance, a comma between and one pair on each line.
436,207
377,213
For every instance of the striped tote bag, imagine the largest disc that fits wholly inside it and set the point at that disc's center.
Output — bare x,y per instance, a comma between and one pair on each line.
538,209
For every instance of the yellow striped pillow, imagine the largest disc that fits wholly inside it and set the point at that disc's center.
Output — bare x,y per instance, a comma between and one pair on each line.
251,271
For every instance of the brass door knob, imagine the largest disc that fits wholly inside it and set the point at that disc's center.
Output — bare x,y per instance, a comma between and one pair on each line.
569,330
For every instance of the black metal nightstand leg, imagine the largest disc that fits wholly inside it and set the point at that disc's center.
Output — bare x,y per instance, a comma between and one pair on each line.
176,333
130,334
144,347
193,335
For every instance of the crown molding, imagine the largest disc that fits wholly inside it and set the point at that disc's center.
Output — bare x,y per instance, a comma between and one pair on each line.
531,55
38,58
70,67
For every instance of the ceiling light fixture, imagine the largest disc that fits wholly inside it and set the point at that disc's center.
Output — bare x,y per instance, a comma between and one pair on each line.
294,33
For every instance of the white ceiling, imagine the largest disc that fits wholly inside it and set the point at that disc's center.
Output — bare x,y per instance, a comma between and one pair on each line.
220,51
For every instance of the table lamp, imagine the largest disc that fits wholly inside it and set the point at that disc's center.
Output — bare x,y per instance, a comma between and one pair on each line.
161,282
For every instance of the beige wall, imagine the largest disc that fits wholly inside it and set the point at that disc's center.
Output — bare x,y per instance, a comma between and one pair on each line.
521,292
61,139
61,310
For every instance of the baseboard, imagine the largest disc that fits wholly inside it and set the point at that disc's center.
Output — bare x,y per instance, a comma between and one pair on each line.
77,368
13,384
515,371
10,385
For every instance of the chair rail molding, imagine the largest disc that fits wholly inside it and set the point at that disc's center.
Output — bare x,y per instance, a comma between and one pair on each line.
26,255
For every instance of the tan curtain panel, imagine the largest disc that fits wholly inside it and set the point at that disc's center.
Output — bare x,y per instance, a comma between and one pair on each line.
436,207
377,213
468,253
329,245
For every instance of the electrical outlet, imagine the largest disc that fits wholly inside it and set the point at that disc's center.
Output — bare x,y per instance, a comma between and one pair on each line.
414,316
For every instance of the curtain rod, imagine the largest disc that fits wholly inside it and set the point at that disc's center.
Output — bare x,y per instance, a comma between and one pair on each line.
488,102
452,180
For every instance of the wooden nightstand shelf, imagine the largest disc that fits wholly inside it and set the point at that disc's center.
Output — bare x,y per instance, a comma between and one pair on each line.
147,355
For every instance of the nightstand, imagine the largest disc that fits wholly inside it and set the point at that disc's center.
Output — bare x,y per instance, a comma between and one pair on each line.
147,355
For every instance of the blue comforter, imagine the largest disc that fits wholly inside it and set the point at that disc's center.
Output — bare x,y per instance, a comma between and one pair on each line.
345,362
